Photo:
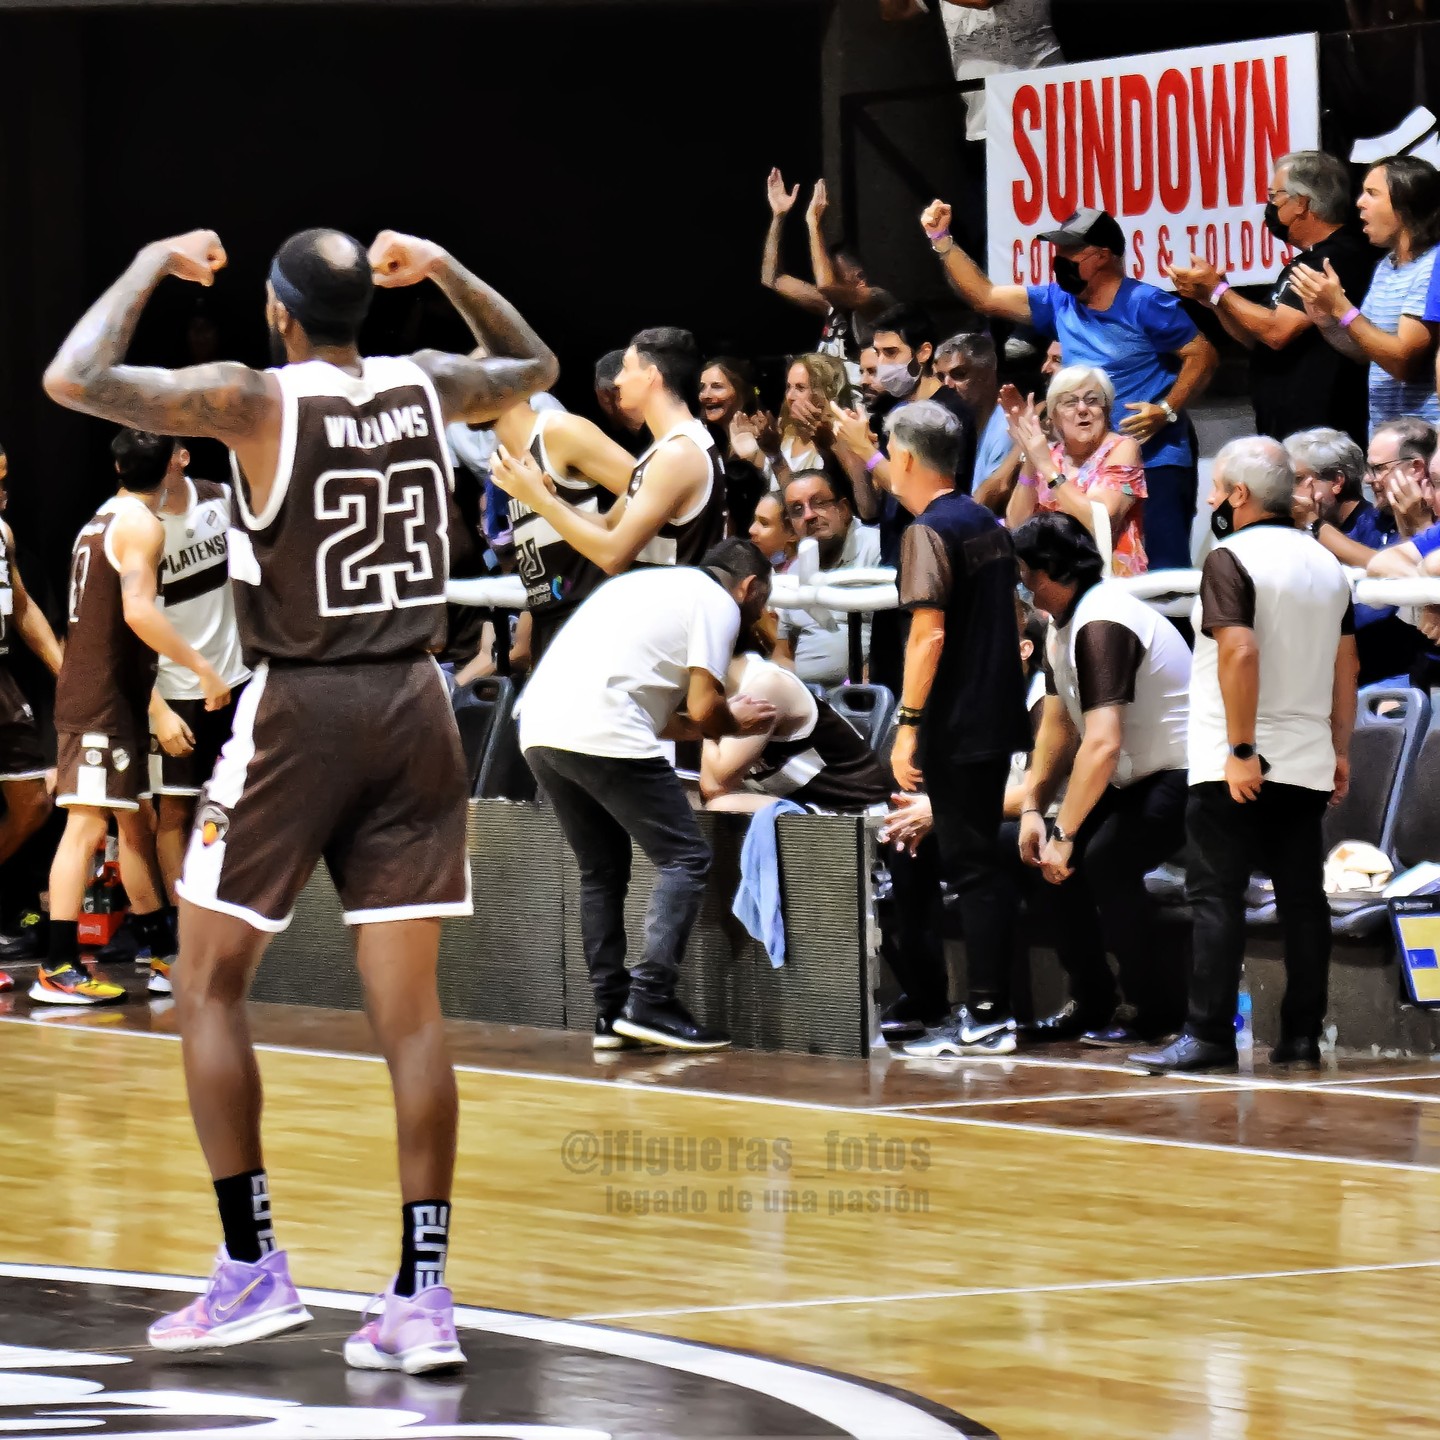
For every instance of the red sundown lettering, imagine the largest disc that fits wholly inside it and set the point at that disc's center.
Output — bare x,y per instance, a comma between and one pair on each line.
1025,117
1137,145
1060,176
1267,249
1097,143
1137,248
1172,117
1247,245
1017,263
1163,253
1272,123
1220,135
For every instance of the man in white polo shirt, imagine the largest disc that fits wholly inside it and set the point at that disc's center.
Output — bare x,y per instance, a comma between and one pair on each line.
1116,712
1272,707
641,661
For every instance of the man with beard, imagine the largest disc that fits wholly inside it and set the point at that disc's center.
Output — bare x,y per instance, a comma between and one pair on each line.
340,558
1138,334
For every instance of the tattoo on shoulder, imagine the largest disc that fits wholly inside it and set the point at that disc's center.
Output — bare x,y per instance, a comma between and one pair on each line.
223,400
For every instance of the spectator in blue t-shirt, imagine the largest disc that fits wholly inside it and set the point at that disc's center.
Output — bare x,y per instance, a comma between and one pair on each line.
1138,334
970,366
1394,326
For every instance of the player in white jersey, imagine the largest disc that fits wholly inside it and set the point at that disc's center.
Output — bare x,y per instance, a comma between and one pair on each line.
185,737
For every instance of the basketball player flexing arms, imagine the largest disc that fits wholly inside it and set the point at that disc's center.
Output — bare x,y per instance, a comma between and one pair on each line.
185,737
340,561
577,458
22,761
675,506
102,735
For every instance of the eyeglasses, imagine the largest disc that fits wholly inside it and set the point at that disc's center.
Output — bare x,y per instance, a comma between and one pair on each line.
948,377
1379,471
1069,403
1275,196
799,509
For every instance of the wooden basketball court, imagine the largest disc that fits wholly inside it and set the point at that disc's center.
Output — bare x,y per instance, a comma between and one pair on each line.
1045,1243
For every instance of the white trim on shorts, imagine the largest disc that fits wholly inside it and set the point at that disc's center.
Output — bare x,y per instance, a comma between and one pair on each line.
222,907
441,910
66,801
173,790
24,775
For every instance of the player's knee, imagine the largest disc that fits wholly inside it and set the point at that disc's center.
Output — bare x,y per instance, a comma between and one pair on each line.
85,826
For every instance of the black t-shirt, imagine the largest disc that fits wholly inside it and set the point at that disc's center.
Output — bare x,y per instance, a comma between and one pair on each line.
1309,382
958,558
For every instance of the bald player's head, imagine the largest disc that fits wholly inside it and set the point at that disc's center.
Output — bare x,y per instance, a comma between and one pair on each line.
322,280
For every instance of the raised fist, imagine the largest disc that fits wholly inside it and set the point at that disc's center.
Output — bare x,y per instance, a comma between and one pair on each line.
397,260
194,257
936,217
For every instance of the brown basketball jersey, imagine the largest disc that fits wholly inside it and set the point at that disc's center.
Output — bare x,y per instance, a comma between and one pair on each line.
349,558
685,541
108,670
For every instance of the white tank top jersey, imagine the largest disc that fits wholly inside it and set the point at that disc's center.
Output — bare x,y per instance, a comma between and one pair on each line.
195,589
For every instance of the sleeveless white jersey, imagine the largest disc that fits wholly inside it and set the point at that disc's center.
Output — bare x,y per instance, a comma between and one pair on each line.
195,589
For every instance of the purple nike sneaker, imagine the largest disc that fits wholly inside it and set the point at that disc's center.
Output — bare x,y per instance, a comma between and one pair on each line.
243,1302
416,1335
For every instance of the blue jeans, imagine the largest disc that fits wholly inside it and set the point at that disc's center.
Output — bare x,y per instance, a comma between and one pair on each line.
602,804
1171,492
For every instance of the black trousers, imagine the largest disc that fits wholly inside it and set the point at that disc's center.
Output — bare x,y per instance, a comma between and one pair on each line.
1281,831
968,801
912,927
1105,908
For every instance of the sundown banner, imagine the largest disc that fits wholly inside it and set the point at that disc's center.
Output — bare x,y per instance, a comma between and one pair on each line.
1178,146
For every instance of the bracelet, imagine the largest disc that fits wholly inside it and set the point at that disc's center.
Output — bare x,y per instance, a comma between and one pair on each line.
936,236
1349,317
1218,291
872,464
948,248
1032,810
1028,481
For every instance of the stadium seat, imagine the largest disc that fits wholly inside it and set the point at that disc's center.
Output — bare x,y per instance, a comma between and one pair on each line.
482,711
868,708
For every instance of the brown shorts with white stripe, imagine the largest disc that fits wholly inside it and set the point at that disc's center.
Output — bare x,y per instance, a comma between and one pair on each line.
359,765
21,757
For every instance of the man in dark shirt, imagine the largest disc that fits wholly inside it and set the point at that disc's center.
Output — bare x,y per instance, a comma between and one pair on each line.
1297,379
962,711
904,344
1330,503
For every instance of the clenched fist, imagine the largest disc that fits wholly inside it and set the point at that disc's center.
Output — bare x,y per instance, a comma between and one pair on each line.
194,257
397,260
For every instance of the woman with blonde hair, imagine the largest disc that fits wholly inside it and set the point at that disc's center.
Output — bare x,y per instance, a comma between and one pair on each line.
1087,463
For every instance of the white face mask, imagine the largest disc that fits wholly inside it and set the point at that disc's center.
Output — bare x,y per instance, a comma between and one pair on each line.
895,379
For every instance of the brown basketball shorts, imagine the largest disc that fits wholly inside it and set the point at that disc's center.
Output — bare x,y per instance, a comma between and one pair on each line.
359,765
21,756
106,769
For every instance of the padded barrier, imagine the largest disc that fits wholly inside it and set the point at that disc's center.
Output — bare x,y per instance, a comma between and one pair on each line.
518,960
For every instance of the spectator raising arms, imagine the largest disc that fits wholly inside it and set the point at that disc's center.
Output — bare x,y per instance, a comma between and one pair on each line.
1139,335
841,293
1089,463
1394,326
1297,381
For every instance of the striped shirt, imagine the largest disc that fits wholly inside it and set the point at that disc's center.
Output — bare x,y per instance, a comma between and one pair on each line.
1399,290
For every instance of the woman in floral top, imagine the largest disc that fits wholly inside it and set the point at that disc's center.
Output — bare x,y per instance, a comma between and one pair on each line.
1088,462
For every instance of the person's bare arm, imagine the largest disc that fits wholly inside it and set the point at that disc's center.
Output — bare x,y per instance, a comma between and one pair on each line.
29,619
1253,324
922,661
995,490
1054,749
1404,355
671,478
1396,562
795,290
1094,765
714,718
224,401
582,447
1199,361
471,388
1342,710
821,264
967,279
138,542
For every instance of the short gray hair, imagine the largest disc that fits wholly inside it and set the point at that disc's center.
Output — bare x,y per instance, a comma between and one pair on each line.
974,348
1322,179
1072,379
1332,455
1263,467
929,432
1414,437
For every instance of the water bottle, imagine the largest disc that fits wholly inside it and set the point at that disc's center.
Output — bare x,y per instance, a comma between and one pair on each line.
1244,1035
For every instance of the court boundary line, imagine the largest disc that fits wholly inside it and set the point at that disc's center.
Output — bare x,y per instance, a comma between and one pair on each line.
1140,1094
1077,1287
635,1086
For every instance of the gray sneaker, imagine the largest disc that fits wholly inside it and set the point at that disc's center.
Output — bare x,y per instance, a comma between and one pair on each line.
962,1034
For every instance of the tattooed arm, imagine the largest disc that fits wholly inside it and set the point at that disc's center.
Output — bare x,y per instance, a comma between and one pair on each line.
225,401
472,388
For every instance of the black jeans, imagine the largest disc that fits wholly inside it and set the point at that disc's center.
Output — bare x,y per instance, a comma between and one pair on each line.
1105,907
1171,491
968,801
1281,831
912,928
602,804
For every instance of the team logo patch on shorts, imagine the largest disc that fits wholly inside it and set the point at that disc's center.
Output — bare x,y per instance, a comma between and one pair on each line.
122,760
212,823
92,757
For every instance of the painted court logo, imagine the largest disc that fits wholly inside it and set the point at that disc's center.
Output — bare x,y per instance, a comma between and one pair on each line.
527,1378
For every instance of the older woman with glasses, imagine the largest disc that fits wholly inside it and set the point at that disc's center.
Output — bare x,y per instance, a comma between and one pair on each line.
1087,463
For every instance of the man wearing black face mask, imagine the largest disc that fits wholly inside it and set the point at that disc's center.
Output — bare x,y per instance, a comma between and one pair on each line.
1297,381
1138,334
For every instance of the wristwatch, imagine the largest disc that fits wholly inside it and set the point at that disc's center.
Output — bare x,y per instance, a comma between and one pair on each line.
1171,414
1315,528
1057,832
906,715
1243,752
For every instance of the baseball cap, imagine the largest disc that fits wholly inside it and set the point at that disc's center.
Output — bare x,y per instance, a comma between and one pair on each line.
1088,227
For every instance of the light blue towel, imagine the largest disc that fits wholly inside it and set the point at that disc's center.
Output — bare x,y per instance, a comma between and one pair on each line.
757,902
